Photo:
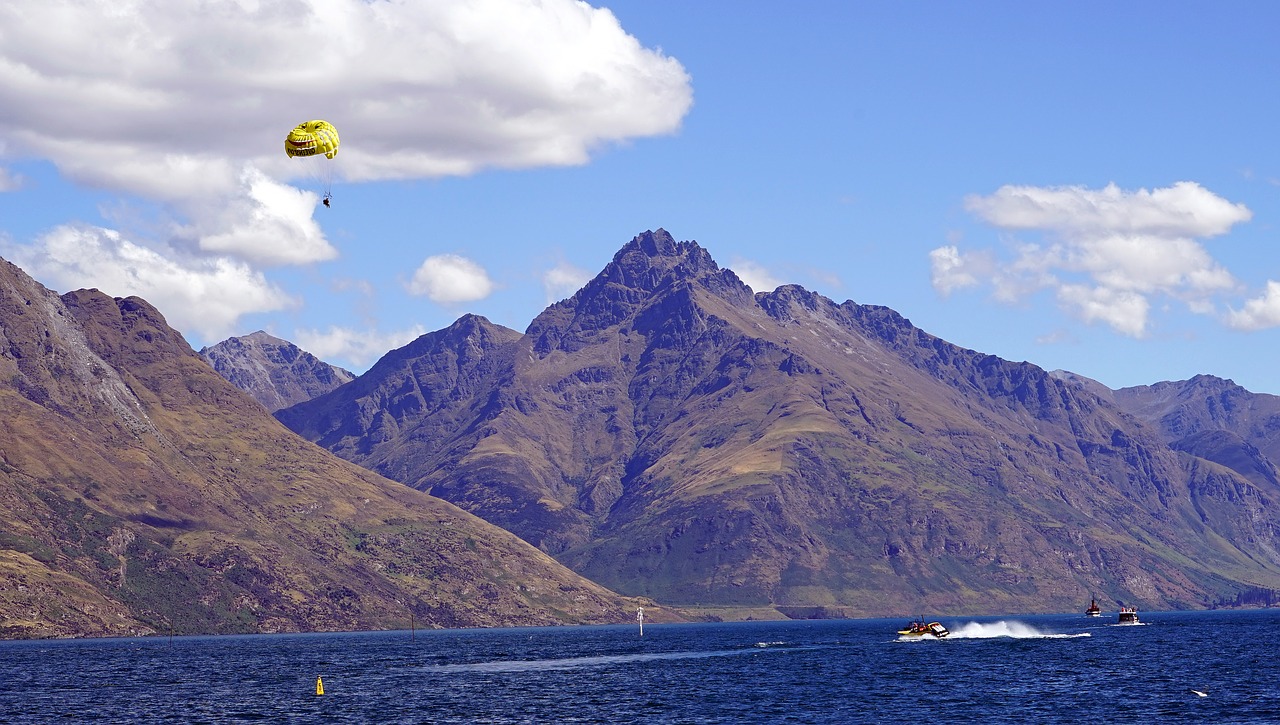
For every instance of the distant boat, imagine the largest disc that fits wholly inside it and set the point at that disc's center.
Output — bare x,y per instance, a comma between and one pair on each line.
920,628
1094,610
1128,615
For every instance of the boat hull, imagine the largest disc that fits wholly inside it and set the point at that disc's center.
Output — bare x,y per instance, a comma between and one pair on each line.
920,629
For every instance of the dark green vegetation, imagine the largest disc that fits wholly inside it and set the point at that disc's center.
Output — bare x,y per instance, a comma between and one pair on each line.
140,492
668,433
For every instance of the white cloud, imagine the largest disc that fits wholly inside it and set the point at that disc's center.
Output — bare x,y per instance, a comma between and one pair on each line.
563,280
951,270
754,275
206,295
188,105
1124,310
356,348
1185,209
1260,312
1107,251
128,93
448,278
270,223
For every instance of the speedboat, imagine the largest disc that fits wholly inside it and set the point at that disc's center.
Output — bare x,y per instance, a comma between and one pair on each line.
1094,610
920,628
1128,615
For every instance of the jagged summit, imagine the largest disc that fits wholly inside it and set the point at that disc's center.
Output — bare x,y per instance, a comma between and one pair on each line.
658,251
652,277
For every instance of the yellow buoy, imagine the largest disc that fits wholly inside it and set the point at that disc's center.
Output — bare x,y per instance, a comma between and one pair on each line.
319,686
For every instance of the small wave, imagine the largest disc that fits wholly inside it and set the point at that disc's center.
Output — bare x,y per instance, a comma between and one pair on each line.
1012,630
770,644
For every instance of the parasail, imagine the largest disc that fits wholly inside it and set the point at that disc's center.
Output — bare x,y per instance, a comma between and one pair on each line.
312,139
315,139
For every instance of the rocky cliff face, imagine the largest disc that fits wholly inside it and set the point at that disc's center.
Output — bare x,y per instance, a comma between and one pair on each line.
668,433
140,492
275,372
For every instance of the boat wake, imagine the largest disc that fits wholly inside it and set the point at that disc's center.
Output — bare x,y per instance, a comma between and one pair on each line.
1012,630
572,663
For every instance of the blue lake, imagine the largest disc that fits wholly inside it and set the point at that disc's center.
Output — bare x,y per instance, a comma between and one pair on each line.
1044,668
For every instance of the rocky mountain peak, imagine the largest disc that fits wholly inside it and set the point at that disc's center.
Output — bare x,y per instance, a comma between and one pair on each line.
780,304
471,336
654,259
275,372
472,330
652,270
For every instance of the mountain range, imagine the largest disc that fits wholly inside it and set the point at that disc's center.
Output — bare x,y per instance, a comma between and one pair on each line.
140,492
665,437
669,433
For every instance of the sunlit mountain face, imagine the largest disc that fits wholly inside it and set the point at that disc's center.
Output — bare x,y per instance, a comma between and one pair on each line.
669,433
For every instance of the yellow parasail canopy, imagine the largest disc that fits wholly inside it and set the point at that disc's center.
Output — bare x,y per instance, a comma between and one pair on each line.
312,139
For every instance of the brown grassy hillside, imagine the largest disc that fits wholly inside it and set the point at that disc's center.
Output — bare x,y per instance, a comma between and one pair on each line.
140,492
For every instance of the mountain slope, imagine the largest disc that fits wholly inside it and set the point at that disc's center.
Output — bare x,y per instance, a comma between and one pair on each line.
275,372
141,492
668,433
1214,419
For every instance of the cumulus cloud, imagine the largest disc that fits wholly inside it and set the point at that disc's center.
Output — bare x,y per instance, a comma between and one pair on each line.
563,280
1124,310
205,295
187,105
150,95
950,270
1105,253
1260,312
357,348
754,275
448,278
269,224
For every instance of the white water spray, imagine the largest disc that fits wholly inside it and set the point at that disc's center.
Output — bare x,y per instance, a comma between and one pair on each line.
1012,630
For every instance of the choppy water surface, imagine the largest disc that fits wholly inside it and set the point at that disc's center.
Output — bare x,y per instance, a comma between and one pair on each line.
1062,668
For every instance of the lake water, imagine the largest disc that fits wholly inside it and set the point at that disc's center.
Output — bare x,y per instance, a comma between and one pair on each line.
1045,668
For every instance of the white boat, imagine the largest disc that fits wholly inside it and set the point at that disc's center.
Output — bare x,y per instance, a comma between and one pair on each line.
1128,615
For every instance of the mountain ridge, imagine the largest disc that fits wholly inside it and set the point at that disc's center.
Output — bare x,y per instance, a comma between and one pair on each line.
669,433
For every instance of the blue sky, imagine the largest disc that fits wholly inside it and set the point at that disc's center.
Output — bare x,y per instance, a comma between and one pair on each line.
1087,186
